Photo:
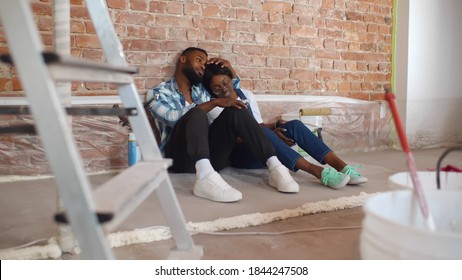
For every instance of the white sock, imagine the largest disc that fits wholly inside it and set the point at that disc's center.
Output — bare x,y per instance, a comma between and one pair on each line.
273,162
203,168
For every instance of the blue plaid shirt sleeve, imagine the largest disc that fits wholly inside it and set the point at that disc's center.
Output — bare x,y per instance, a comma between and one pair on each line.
168,105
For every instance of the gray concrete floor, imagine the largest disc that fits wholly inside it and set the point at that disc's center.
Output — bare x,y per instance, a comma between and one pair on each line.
312,241
317,245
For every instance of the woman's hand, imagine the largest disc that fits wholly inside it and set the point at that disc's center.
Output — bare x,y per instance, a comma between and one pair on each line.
279,132
279,122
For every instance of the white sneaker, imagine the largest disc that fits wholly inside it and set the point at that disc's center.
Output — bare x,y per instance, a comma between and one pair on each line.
279,178
213,187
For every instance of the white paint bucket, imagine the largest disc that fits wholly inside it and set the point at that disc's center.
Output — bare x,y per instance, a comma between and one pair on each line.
393,226
448,180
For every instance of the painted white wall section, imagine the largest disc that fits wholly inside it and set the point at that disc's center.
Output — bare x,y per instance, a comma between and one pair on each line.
401,57
433,92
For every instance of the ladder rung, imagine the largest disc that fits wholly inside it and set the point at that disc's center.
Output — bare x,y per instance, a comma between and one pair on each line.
27,128
14,110
52,57
115,192
119,196
98,111
61,218
6,58
68,68
75,111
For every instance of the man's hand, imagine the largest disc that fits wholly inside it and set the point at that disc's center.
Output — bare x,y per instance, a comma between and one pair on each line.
219,61
223,63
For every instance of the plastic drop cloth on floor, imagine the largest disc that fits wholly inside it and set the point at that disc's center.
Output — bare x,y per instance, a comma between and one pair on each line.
353,125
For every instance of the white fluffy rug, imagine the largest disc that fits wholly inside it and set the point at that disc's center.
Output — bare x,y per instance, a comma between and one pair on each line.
261,204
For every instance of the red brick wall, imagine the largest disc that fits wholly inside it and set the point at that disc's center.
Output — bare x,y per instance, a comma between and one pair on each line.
309,47
288,47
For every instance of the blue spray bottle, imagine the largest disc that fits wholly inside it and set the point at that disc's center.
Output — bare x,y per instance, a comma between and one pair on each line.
132,149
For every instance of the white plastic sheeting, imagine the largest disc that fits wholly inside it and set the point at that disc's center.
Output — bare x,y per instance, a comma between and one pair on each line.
101,140
354,125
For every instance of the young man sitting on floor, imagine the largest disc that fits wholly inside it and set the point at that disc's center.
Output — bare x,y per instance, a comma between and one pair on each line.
180,106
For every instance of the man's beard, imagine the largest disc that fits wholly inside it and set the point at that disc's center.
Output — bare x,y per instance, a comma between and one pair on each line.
192,76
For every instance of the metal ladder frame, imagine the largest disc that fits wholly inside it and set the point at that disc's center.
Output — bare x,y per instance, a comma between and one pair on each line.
52,125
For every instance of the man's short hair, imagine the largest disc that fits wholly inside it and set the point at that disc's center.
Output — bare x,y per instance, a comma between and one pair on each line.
191,49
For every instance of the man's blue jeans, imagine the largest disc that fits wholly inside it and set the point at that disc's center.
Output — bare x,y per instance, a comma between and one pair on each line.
296,130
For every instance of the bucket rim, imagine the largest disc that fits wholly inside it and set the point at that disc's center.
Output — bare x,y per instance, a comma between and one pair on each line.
449,181
369,204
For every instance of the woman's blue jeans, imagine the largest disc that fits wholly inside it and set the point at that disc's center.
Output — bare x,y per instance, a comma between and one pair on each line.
296,130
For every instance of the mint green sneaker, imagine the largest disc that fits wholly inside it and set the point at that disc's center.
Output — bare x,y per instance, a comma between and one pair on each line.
334,179
356,178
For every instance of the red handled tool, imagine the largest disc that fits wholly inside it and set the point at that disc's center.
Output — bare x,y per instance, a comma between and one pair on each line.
418,191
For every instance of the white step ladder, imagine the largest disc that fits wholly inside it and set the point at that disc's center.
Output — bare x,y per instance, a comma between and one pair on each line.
91,214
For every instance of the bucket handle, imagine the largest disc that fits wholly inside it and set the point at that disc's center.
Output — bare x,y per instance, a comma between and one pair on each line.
438,165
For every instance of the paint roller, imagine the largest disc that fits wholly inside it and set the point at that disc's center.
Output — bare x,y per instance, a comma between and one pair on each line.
315,112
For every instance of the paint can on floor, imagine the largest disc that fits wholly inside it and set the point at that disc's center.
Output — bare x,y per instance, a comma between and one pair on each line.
393,227
448,180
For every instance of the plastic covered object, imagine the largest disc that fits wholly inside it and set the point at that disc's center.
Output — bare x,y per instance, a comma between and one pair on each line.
101,140
352,125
